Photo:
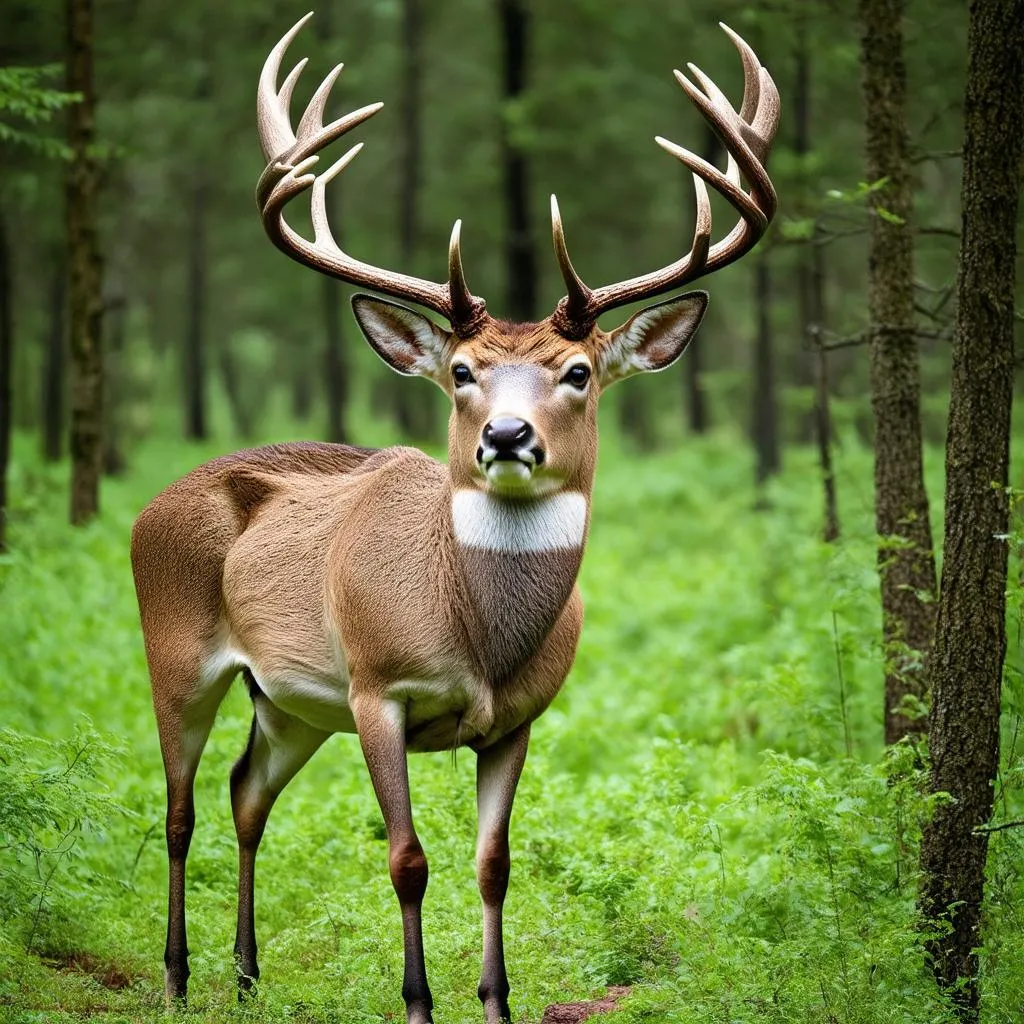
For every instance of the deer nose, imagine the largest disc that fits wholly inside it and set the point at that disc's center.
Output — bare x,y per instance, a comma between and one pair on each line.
507,435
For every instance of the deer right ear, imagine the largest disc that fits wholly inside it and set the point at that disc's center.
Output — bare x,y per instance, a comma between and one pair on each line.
406,340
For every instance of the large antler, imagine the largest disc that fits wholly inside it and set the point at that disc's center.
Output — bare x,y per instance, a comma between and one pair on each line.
293,154
747,137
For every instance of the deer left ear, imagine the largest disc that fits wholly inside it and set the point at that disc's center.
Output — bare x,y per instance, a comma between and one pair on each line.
651,339
406,340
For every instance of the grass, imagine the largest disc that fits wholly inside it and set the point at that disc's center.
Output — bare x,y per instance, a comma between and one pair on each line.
706,813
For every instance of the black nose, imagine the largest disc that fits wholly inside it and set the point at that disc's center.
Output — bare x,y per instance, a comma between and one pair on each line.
507,435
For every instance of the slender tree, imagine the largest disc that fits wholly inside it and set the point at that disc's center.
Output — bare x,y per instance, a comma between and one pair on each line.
698,417
6,363
811,289
520,259
414,407
52,384
85,272
765,420
970,634
194,364
905,560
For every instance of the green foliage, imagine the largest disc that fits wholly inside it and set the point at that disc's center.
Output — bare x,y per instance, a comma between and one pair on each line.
689,821
25,98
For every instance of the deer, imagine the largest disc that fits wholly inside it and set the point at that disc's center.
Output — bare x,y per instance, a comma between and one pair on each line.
423,606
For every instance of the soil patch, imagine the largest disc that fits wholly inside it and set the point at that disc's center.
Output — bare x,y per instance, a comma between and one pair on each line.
572,1013
107,974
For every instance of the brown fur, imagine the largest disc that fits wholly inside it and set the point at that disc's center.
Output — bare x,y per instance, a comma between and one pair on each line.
333,577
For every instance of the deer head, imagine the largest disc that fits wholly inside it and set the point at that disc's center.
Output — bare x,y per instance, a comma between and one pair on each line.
524,396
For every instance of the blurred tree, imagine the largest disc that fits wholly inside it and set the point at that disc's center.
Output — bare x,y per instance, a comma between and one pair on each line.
696,405
194,363
520,259
52,397
970,632
905,560
811,280
6,362
765,419
85,271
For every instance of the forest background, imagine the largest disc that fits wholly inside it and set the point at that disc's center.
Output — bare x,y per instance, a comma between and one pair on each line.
710,813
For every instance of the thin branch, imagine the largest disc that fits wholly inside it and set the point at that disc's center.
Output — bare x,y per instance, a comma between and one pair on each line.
939,154
998,828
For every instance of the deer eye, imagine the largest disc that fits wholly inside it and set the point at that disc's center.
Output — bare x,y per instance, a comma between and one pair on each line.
461,375
577,376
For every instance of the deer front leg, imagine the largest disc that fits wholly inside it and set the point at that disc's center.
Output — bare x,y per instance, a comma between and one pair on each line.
498,768
381,727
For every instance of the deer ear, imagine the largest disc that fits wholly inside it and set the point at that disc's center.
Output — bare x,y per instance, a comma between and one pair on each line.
651,339
406,340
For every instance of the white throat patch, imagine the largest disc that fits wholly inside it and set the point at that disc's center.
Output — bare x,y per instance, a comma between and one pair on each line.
541,524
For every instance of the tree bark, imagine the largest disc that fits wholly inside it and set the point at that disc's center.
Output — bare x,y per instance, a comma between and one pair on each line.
906,564
520,260
52,389
85,278
765,419
6,365
970,634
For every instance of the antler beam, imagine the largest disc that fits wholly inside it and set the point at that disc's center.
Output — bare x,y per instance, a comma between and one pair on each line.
747,137
291,156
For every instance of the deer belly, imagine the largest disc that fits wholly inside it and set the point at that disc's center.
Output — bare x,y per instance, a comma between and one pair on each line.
321,702
443,714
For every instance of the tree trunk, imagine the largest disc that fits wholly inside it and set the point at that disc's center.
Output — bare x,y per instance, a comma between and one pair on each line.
808,363
195,337
6,365
335,371
85,278
906,564
698,419
335,363
241,414
812,316
636,418
413,406
765,420
970,634
114,461
520,262
53,365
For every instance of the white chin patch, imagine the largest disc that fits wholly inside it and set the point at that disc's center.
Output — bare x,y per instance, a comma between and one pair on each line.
512,474
541,524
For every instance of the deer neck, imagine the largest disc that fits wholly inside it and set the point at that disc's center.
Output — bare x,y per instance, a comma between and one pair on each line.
518,560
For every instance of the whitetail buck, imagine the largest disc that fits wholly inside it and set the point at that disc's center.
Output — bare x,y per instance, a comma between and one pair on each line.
422,606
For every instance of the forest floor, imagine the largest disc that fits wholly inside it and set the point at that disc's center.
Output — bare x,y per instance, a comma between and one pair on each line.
706,814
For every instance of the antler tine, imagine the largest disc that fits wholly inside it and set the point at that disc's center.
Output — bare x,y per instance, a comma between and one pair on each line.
751,73
292,155
465,308
747,137
272,120
312,120
577,299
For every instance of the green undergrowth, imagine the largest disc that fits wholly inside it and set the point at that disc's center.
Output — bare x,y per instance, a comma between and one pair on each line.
706,813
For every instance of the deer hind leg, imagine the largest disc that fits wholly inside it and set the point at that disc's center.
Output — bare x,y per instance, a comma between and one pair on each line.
381,727
184,724
498,768
279,745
